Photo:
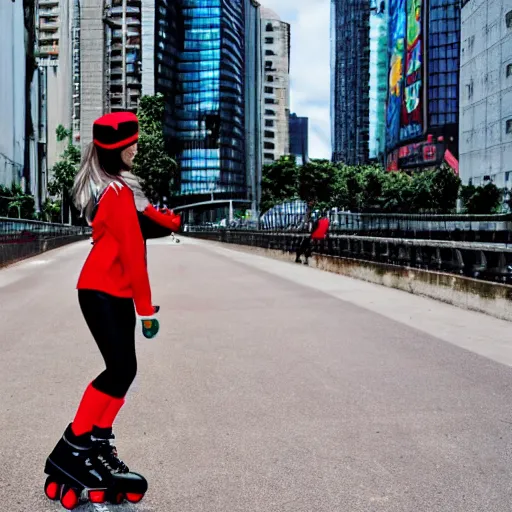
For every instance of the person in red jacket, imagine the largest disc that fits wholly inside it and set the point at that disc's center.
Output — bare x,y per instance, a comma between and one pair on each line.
113,288
319,232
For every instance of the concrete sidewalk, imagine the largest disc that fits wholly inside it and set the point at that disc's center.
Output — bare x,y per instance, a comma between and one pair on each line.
272,387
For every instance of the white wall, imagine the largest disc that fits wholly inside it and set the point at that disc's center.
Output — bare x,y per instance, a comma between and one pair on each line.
485,93
12,91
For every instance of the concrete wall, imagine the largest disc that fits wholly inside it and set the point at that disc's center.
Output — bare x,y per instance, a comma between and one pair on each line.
92,62
485,93
12,87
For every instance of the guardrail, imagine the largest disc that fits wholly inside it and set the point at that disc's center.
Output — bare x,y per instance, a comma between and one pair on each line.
21,238
480,260
469,228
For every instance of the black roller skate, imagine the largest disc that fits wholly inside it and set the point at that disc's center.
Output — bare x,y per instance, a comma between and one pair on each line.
75,474
129,485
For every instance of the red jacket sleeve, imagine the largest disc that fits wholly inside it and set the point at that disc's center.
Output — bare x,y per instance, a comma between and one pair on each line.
125,228
168,220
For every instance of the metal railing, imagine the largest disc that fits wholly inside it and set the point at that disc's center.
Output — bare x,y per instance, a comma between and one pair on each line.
479,260
21,238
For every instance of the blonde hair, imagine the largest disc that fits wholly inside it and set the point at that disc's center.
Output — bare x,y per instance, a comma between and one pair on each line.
91,180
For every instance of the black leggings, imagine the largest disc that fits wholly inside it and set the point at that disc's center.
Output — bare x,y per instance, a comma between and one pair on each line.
112,321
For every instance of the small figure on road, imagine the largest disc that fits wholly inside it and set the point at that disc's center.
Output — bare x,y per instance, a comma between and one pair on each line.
318,232
113,288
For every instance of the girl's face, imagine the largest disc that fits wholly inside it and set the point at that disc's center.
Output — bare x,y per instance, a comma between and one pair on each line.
128,154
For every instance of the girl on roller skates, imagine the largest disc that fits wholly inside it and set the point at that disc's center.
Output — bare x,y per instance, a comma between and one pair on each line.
113,288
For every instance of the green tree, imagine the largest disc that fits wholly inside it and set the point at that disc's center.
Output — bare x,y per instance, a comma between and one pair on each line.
481,200
316,181
153,164
15,203
398,193
64,172
445,189
279,182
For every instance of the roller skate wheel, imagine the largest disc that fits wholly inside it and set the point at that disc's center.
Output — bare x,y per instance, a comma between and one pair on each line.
51,489
118,498
68,498
134,497
97,496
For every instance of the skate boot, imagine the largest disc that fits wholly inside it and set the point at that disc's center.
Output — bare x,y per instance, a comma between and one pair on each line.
129,485
74,473
104,449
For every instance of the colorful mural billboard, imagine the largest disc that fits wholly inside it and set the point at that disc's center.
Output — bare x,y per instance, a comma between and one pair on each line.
396,53
411,123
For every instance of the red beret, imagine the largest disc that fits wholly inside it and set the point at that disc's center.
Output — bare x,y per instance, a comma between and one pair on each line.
117,130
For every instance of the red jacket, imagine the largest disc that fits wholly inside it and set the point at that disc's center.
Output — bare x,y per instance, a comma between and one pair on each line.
117,262
320,229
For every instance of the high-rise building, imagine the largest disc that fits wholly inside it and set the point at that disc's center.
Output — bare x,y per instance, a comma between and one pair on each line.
275,35
422,108
12,92
378,80
350,81
299,138
485,93
253,94
58,50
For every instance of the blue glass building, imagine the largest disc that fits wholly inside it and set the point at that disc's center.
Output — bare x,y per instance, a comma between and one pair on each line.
209,107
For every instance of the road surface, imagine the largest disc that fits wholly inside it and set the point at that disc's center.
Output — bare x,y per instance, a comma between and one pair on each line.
273,387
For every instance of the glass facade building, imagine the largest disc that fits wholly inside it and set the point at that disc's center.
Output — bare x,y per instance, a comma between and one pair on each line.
350,80
209,106
299,138
443,65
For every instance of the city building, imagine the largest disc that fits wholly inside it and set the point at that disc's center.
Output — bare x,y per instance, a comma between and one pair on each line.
422,107
12,93
350,81
253,85
57,38
299,138
486,93
275,36
378,86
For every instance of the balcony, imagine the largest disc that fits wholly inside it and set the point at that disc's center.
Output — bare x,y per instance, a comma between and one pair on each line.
49,25
48,50
48,36
48,3
49,13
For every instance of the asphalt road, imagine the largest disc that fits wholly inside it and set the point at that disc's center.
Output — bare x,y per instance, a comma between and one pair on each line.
272,387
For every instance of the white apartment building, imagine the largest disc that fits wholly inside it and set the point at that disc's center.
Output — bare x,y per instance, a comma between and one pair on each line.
485,123
275,37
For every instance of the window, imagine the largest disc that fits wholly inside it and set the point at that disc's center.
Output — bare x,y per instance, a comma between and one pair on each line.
268,64
270,78
270,90
469,89
269,145
269,156
269,53
508,19
509,126
269,123
507,176
269,40
269,101
269,27
509,70
270,112
270,135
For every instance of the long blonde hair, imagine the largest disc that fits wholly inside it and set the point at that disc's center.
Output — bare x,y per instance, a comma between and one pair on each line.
92,179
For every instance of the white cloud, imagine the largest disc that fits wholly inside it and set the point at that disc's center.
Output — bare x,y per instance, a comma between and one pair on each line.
310,66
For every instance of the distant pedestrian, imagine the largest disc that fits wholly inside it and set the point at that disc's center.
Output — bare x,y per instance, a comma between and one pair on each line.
318,232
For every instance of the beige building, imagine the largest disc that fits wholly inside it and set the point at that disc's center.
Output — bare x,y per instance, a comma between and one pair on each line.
57,42
275,37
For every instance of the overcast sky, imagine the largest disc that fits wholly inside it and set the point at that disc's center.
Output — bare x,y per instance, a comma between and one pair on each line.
310,66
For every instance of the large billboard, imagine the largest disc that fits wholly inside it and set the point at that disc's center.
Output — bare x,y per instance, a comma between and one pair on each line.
411,123
396,53
404,119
